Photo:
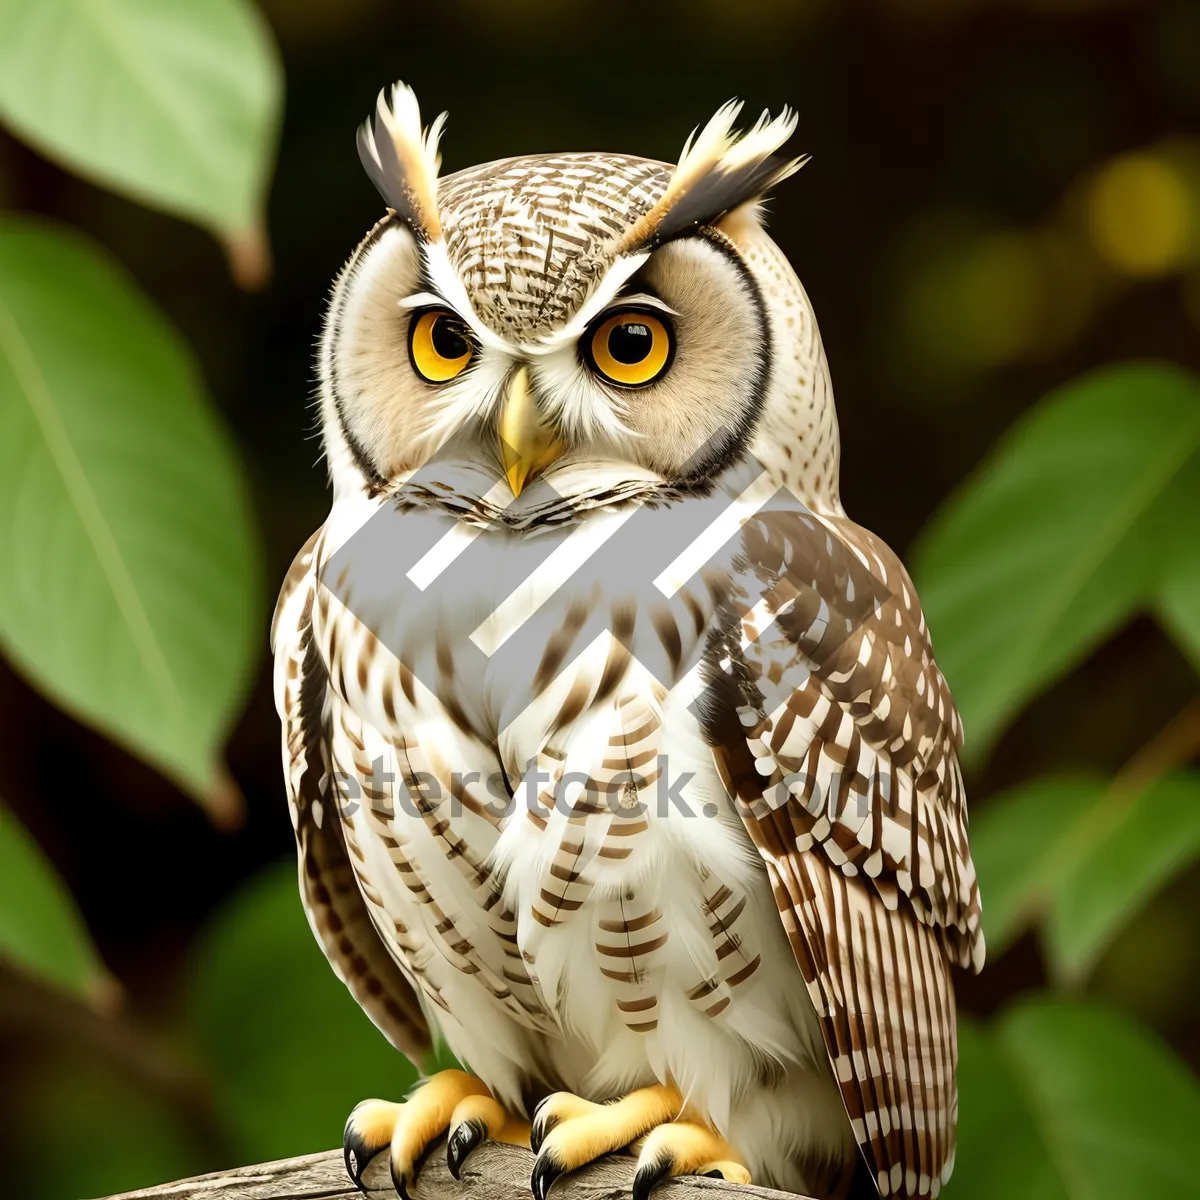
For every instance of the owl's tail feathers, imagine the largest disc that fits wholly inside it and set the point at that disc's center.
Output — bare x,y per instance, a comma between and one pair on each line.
450,1101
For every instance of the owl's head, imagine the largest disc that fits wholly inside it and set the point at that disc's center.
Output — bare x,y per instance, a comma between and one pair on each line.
610,324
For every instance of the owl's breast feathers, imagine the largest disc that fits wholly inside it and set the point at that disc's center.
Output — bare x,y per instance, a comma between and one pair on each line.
836,738
330,885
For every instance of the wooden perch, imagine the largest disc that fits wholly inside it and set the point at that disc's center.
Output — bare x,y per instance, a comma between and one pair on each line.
493,1172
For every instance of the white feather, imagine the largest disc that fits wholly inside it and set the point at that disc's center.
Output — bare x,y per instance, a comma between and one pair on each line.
417,149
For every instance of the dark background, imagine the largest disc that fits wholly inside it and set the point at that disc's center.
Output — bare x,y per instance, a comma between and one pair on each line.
950,231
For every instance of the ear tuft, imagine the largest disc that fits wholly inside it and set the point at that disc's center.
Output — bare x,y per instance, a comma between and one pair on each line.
402,160
718,170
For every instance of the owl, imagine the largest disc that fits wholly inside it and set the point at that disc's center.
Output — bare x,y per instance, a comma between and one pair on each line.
617,754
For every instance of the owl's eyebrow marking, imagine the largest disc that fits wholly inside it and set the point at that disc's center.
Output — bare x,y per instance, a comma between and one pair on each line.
425,300
642,300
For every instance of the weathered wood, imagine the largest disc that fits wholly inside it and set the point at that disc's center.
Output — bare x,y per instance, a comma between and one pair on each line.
493,1172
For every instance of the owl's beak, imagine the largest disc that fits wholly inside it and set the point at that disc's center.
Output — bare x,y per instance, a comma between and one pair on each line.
527,443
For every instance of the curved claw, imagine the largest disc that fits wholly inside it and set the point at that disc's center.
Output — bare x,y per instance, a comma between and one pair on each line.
400,1182
545,1171
685,1148
649,1176
367,1133
463,1139
357,1158
543,1122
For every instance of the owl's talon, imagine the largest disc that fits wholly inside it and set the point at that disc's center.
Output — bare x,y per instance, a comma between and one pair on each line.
647,1178
553,1110
569,1132
449,1100
400,1183
545,1171
368,1132
685,1148
463,1138
540,1126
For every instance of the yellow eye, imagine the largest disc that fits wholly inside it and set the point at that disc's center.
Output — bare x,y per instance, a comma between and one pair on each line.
438,345
632,348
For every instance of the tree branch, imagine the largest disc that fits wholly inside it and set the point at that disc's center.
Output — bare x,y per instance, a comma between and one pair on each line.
493,1172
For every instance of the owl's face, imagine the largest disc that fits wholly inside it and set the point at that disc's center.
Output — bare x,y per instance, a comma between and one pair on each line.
593,319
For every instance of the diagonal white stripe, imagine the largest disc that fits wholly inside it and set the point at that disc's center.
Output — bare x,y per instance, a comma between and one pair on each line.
450,545
700,550
549,576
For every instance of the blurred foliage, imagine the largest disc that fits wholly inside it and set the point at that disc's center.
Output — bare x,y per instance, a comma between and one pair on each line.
1101,851
288,1050
1061,579
130,591
1078,519
40,928
121,1134
976,296
175,104
1062,1100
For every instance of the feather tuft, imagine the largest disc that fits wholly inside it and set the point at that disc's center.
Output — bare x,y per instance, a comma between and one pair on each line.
402,160
719,170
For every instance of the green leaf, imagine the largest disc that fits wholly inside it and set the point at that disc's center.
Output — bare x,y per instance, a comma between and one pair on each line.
1066,1101
1083,855
128,567
1019,840
41,930
1137,844
1058,538
1178,605
175,105
290,1051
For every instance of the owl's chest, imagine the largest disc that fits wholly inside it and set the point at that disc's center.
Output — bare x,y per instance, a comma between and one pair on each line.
546,804
506,637
611,889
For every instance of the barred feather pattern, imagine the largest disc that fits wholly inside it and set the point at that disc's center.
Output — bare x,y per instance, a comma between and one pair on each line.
530,236
565,929
445,922
330,878
837,733
585,941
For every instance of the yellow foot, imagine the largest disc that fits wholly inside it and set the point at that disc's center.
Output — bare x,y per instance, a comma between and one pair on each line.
449,1101
685,1148
569,1132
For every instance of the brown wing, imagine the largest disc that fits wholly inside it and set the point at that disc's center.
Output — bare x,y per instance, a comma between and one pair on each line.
835,730
332,901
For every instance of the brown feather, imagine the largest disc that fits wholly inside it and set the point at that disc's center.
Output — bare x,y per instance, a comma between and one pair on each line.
329,889
835,731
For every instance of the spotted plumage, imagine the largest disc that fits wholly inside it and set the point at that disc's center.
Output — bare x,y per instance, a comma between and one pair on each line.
616,752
